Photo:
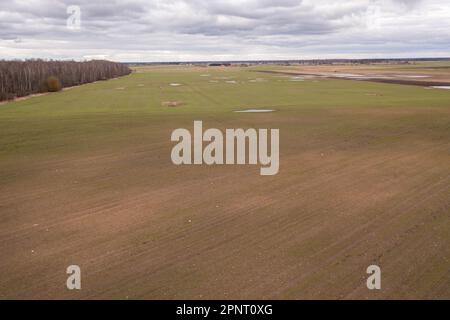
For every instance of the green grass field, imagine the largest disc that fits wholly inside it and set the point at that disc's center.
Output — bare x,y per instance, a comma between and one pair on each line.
86,178
83,117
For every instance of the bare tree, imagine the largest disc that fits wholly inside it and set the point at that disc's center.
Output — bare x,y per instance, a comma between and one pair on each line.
21,78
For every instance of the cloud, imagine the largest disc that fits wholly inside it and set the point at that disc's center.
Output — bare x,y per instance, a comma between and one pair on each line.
176,30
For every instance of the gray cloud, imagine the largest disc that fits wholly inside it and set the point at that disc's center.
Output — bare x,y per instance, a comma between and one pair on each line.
167,30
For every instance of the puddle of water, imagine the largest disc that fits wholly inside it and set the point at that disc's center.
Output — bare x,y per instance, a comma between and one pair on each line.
258,80
175,84
345,75
411,76
255,111
442,87
353,76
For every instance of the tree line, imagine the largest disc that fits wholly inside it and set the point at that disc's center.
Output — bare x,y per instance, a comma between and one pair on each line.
21,78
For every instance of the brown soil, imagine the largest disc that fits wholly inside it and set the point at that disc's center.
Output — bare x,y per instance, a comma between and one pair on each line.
140,227
411,82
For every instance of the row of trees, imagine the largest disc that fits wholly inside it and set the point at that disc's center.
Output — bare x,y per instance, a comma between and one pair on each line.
21,78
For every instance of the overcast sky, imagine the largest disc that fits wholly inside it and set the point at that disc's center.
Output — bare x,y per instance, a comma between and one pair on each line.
193,30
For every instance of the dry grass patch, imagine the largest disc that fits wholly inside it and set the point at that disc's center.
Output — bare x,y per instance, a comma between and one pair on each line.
173,103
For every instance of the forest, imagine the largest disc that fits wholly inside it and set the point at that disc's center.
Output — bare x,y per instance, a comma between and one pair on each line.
22,78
